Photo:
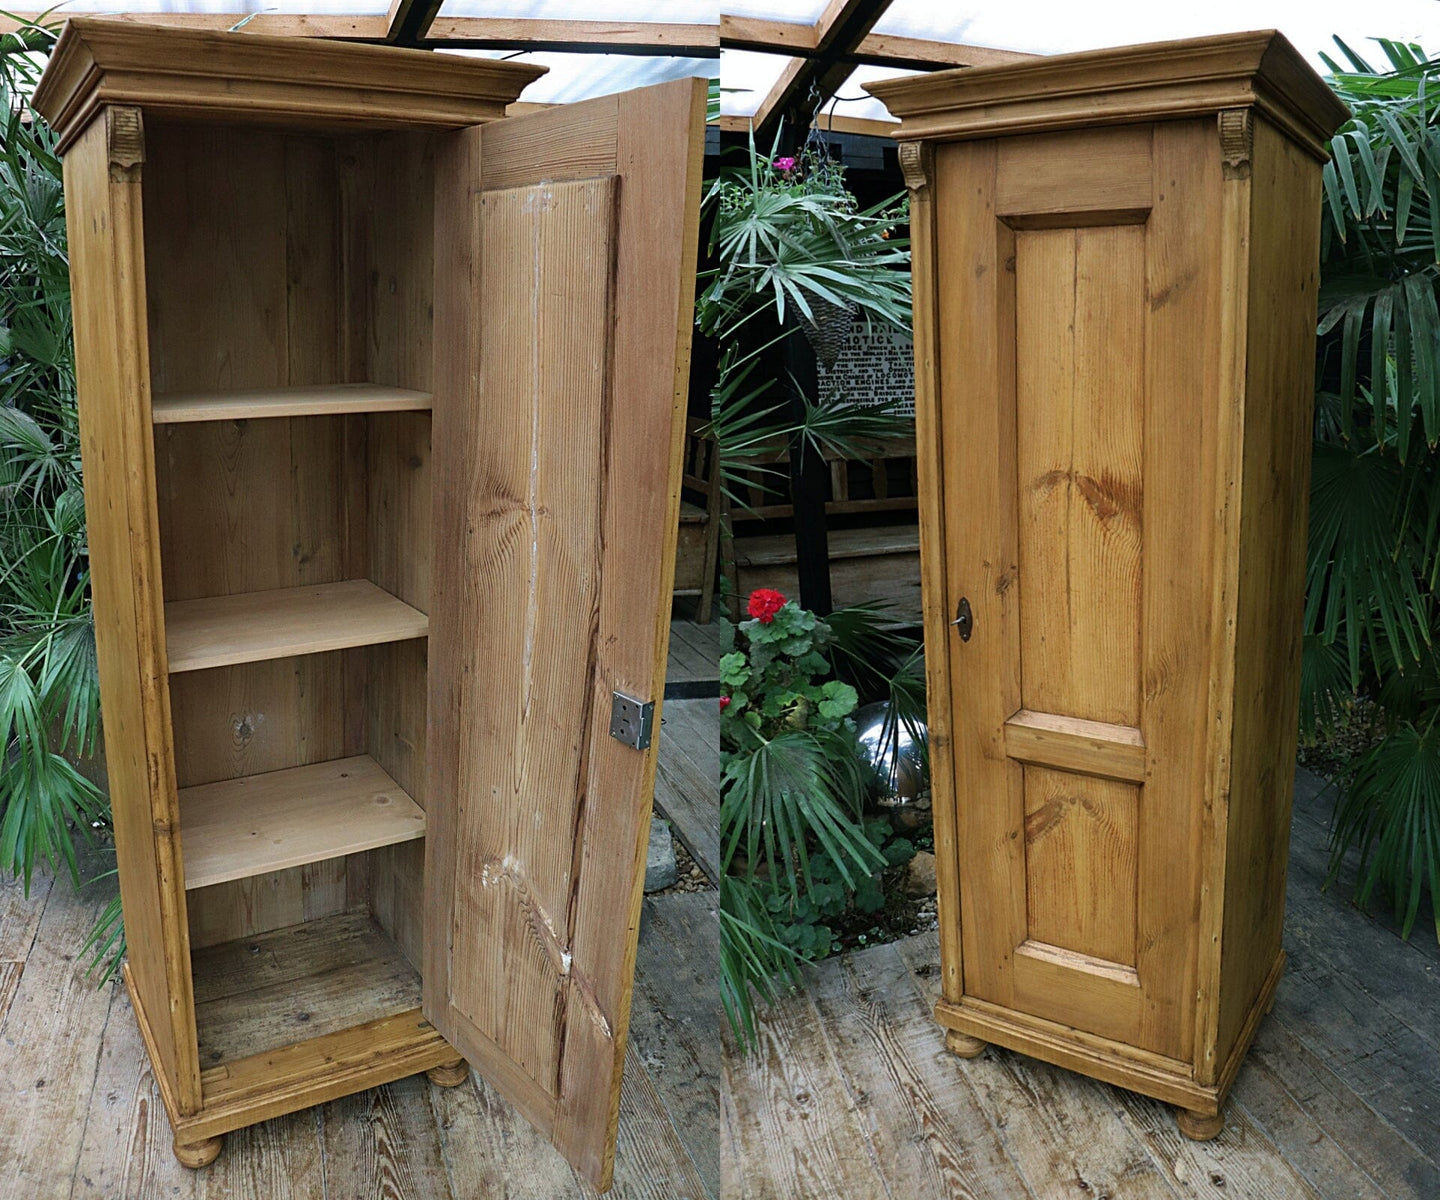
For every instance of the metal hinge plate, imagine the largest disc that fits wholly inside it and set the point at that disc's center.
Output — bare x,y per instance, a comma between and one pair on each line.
631,720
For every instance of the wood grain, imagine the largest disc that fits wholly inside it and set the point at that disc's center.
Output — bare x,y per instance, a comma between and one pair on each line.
535,516
105,227
1279,386
1079,398
299,401
294,985
1074,744
284,623
294,81
1122,520
558,885
261,823
1122,85
1081,839
687,776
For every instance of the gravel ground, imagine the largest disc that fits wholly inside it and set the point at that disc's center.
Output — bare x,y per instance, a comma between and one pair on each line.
691,877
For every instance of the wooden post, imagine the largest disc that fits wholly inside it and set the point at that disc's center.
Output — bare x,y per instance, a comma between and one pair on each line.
807,480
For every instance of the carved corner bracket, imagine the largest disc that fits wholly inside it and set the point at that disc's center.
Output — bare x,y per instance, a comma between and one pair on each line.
917,166
124,142
1237,137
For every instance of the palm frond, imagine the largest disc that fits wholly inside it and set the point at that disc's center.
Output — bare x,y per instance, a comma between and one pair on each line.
1389,810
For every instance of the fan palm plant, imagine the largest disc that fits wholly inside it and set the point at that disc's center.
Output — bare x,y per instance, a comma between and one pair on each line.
49,690
1374,543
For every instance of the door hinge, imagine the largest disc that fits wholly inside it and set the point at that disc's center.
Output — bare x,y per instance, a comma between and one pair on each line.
631,720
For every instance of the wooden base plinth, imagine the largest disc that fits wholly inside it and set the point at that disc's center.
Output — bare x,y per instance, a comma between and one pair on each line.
1199,1127
198,1154
963,1045
449,1074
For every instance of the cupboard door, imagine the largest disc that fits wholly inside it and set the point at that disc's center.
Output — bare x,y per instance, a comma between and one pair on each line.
566,245
1077,333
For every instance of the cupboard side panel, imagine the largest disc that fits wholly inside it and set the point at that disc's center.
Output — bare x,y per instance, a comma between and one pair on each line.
1279,406
106,239
918,161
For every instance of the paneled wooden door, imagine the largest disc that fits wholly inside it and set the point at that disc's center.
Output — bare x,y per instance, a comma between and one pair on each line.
566,242
1079,290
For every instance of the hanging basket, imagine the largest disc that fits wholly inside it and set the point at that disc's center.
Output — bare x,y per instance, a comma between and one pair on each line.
829,330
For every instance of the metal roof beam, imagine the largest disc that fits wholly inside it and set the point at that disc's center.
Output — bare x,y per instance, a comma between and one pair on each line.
840,30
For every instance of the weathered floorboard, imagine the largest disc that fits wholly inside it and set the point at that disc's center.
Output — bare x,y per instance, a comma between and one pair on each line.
81,1116
923,1117
675,1018
687,778
1337,1098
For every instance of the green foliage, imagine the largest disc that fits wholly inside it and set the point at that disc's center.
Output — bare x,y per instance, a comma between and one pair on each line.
795,848
1374,541
786,241
1389,808
787,238
49,691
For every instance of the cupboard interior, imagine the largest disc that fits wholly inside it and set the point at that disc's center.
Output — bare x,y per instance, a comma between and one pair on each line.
289,284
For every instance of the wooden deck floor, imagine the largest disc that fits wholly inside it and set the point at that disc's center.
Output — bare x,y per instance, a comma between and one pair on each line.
80,1115
851,1092
693,669
687,778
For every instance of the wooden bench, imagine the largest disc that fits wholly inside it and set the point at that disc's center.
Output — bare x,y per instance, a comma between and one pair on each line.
868,562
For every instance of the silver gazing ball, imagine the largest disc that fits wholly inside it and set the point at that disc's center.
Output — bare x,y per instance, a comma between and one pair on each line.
899,786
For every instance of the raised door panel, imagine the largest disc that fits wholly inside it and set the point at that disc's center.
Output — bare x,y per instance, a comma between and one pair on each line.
1076,399
562,315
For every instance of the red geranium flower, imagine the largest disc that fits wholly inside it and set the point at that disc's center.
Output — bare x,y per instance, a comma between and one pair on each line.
724,703
764,604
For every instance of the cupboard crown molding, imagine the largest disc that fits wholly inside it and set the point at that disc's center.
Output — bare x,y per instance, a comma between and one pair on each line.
1124,85
209,75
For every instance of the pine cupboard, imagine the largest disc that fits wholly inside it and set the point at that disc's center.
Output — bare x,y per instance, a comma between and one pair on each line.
1115,265
381,404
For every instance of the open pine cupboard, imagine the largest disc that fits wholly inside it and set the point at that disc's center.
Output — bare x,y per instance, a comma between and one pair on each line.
381,399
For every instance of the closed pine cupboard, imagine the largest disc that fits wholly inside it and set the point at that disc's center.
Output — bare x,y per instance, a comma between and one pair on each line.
1116,257
381,402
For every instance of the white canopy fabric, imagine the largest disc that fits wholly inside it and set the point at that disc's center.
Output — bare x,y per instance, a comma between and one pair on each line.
1035,26
1059,26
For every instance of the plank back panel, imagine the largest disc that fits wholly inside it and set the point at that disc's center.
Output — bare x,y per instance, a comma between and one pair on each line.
265,716
601,391
243,277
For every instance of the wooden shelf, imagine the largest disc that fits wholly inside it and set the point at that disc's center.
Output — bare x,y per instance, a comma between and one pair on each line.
223,630
239,828
294,986
321,400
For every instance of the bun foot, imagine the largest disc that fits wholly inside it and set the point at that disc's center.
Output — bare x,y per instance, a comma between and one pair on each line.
198,1154
963,1045
451,1074
1199,1127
